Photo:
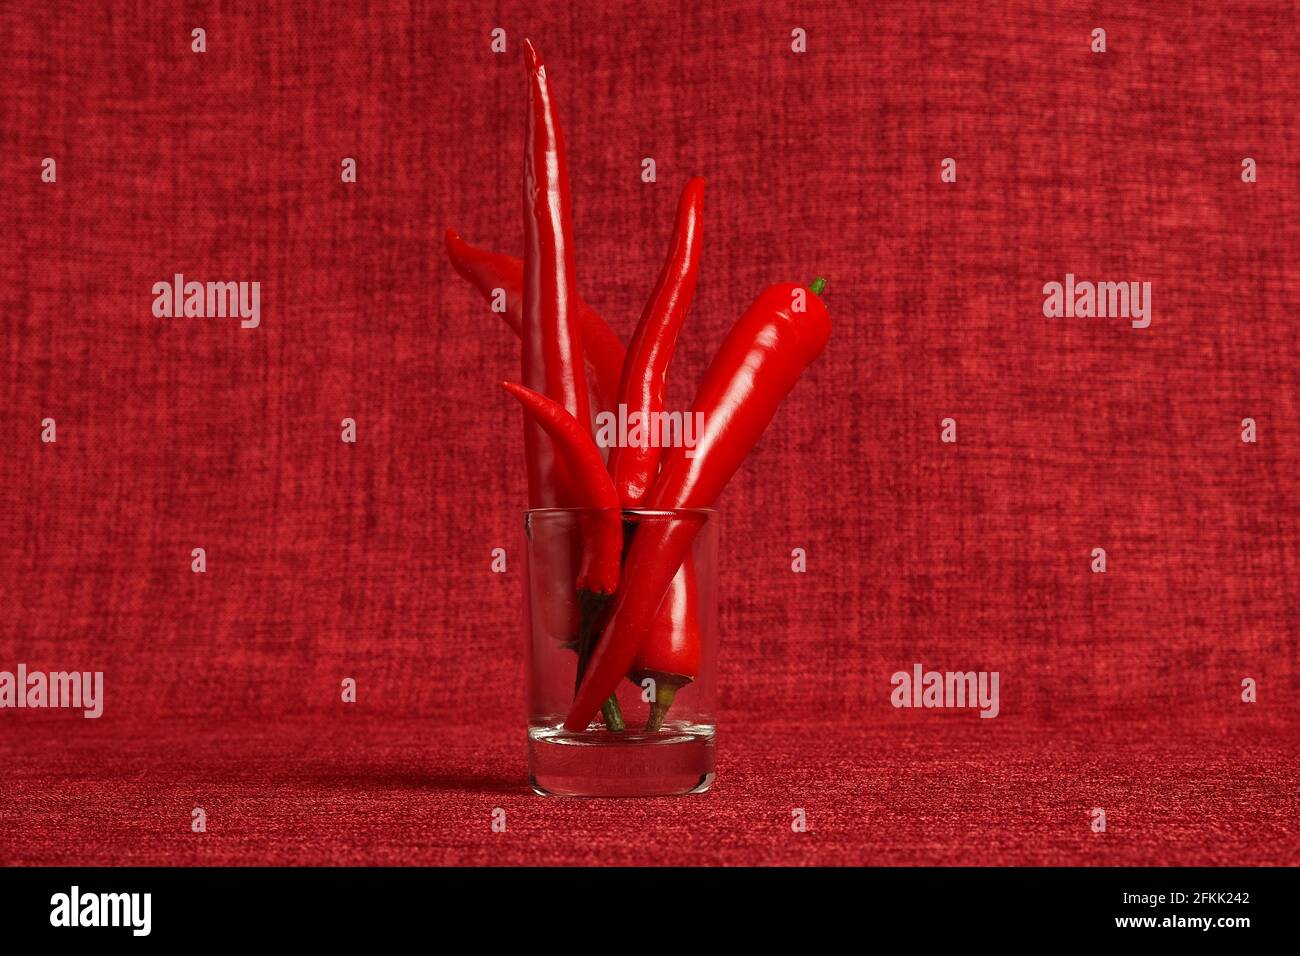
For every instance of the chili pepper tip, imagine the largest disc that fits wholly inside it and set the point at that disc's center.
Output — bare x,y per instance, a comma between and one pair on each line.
817,285
530,55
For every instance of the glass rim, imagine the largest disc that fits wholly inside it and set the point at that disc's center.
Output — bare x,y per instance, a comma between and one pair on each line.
644,512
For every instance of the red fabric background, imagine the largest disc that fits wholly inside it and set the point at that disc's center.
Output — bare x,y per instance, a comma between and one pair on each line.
329,560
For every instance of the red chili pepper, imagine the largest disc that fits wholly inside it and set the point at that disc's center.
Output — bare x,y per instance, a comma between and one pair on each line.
603,540
671,654
601,523
602,352
644,371
757,365
488,271
552,347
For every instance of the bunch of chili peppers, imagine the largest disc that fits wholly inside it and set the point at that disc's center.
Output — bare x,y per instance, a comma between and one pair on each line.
634,586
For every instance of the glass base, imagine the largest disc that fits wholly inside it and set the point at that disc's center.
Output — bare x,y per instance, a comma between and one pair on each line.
677,759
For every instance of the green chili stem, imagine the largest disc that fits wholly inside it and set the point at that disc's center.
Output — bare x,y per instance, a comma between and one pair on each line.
591,607
613,715
664,694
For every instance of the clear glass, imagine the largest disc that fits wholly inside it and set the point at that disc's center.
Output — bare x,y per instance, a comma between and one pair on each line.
666,706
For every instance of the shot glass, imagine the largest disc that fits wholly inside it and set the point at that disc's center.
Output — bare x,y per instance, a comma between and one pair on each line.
655,735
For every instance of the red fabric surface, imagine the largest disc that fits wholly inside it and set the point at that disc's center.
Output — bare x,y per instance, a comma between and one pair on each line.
402,790
326,560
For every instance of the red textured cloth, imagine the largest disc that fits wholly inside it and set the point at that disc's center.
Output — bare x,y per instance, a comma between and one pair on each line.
405,790
325,560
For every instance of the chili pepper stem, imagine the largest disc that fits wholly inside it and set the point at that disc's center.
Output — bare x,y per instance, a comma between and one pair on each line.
591,607
664,694
666,688
610,710
613,715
